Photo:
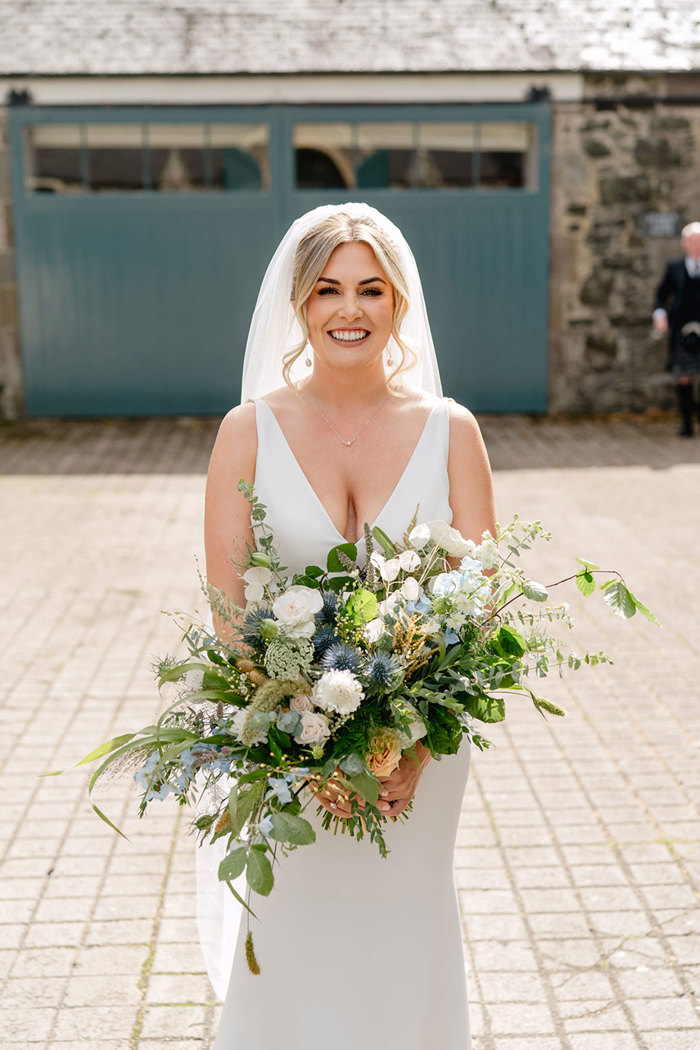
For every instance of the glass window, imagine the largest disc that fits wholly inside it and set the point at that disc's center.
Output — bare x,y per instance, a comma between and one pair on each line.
384,156
53,158
507,155
324,156
445,156
176,152
115,159
239,156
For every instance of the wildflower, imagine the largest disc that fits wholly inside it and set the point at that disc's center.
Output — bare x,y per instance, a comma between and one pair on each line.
341,657
279,789
286,657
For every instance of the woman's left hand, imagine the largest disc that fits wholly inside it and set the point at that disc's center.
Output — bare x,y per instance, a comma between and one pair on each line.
400,786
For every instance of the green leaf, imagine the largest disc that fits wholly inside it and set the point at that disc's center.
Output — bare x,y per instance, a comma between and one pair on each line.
339,583
259,872
444,731
288,828
643,609
249,797
587,564
333,562
536,592
364,785
509,642
384,542
486,708
361,606
314,571
619,598
233,864
585,583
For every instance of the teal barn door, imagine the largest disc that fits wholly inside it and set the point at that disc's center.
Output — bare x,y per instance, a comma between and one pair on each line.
143,234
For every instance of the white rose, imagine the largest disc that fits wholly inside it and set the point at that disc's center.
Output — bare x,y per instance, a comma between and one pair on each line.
296,607
409,561
374,630
301,703
419,537
314,729
410,589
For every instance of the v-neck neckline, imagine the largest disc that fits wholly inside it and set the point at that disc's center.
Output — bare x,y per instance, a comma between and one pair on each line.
316,496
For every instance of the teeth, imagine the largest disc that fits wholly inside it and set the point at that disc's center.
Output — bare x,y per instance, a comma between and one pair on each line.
349,337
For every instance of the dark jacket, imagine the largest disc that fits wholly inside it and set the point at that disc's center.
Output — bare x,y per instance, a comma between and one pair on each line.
671,288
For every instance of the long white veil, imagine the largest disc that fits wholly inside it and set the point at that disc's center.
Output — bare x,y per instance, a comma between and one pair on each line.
273,331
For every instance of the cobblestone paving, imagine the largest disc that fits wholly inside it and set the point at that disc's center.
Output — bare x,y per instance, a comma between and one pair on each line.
578,856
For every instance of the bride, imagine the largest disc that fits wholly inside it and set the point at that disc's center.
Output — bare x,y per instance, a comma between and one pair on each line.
342,422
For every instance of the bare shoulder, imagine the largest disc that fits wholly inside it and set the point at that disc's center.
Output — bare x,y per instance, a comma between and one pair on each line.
464,429
237,439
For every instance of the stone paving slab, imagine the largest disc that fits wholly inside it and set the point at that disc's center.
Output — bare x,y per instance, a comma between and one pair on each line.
578,859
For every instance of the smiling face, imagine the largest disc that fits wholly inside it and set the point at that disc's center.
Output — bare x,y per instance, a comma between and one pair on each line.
350,311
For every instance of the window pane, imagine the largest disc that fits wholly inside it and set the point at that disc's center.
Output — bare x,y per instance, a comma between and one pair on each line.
239,156
385,156
177,162
115,157
507,155
53,158
323,156
445,157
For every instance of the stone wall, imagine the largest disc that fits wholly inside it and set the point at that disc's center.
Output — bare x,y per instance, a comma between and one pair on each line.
11,386
616,155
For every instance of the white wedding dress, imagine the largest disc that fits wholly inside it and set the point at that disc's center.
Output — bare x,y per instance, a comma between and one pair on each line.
357,952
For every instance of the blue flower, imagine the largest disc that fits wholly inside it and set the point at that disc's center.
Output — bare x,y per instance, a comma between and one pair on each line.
451,637
266,824
341,657
279,790
326,615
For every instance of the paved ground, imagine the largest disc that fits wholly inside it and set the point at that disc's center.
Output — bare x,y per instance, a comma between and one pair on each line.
579,848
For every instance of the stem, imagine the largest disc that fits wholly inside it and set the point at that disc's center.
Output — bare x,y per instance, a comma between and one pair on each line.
521,594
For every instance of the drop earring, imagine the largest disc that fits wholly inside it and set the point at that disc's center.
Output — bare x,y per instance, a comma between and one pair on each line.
389,360
307,360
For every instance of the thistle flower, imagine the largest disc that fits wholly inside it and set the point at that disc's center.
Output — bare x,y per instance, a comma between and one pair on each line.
341,657
251,624
381,670
323,639
328,609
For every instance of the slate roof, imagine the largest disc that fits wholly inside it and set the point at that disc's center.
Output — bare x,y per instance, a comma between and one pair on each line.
343,36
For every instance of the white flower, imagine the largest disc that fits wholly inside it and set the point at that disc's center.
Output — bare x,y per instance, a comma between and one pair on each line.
237,722
301,703
419,537
410,589
314,729
431,626
409,561
296,607
388,570
374,630
255,579
338,691
487,552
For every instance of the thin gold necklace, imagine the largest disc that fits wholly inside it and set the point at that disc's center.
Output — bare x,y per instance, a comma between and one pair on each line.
341,439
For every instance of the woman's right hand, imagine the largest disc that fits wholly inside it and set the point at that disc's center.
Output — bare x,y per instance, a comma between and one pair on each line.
335,799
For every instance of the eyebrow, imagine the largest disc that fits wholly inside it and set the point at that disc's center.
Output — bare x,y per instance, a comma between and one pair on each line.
368,280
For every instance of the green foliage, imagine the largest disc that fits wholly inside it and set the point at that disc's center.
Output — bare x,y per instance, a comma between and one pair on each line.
585,582
233,864
259,872
333,563
444,733
361,606
293,829
486,708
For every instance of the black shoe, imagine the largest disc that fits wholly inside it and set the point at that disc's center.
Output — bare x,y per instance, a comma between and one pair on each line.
686,431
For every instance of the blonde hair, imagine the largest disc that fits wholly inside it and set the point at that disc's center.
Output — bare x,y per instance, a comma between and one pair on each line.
312,254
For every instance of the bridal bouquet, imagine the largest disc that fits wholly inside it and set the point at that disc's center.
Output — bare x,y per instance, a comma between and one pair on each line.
332,675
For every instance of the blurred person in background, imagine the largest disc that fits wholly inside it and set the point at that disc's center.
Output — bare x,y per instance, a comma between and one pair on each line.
677,312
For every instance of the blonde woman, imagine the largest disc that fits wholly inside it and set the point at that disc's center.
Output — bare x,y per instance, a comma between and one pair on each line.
342,422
